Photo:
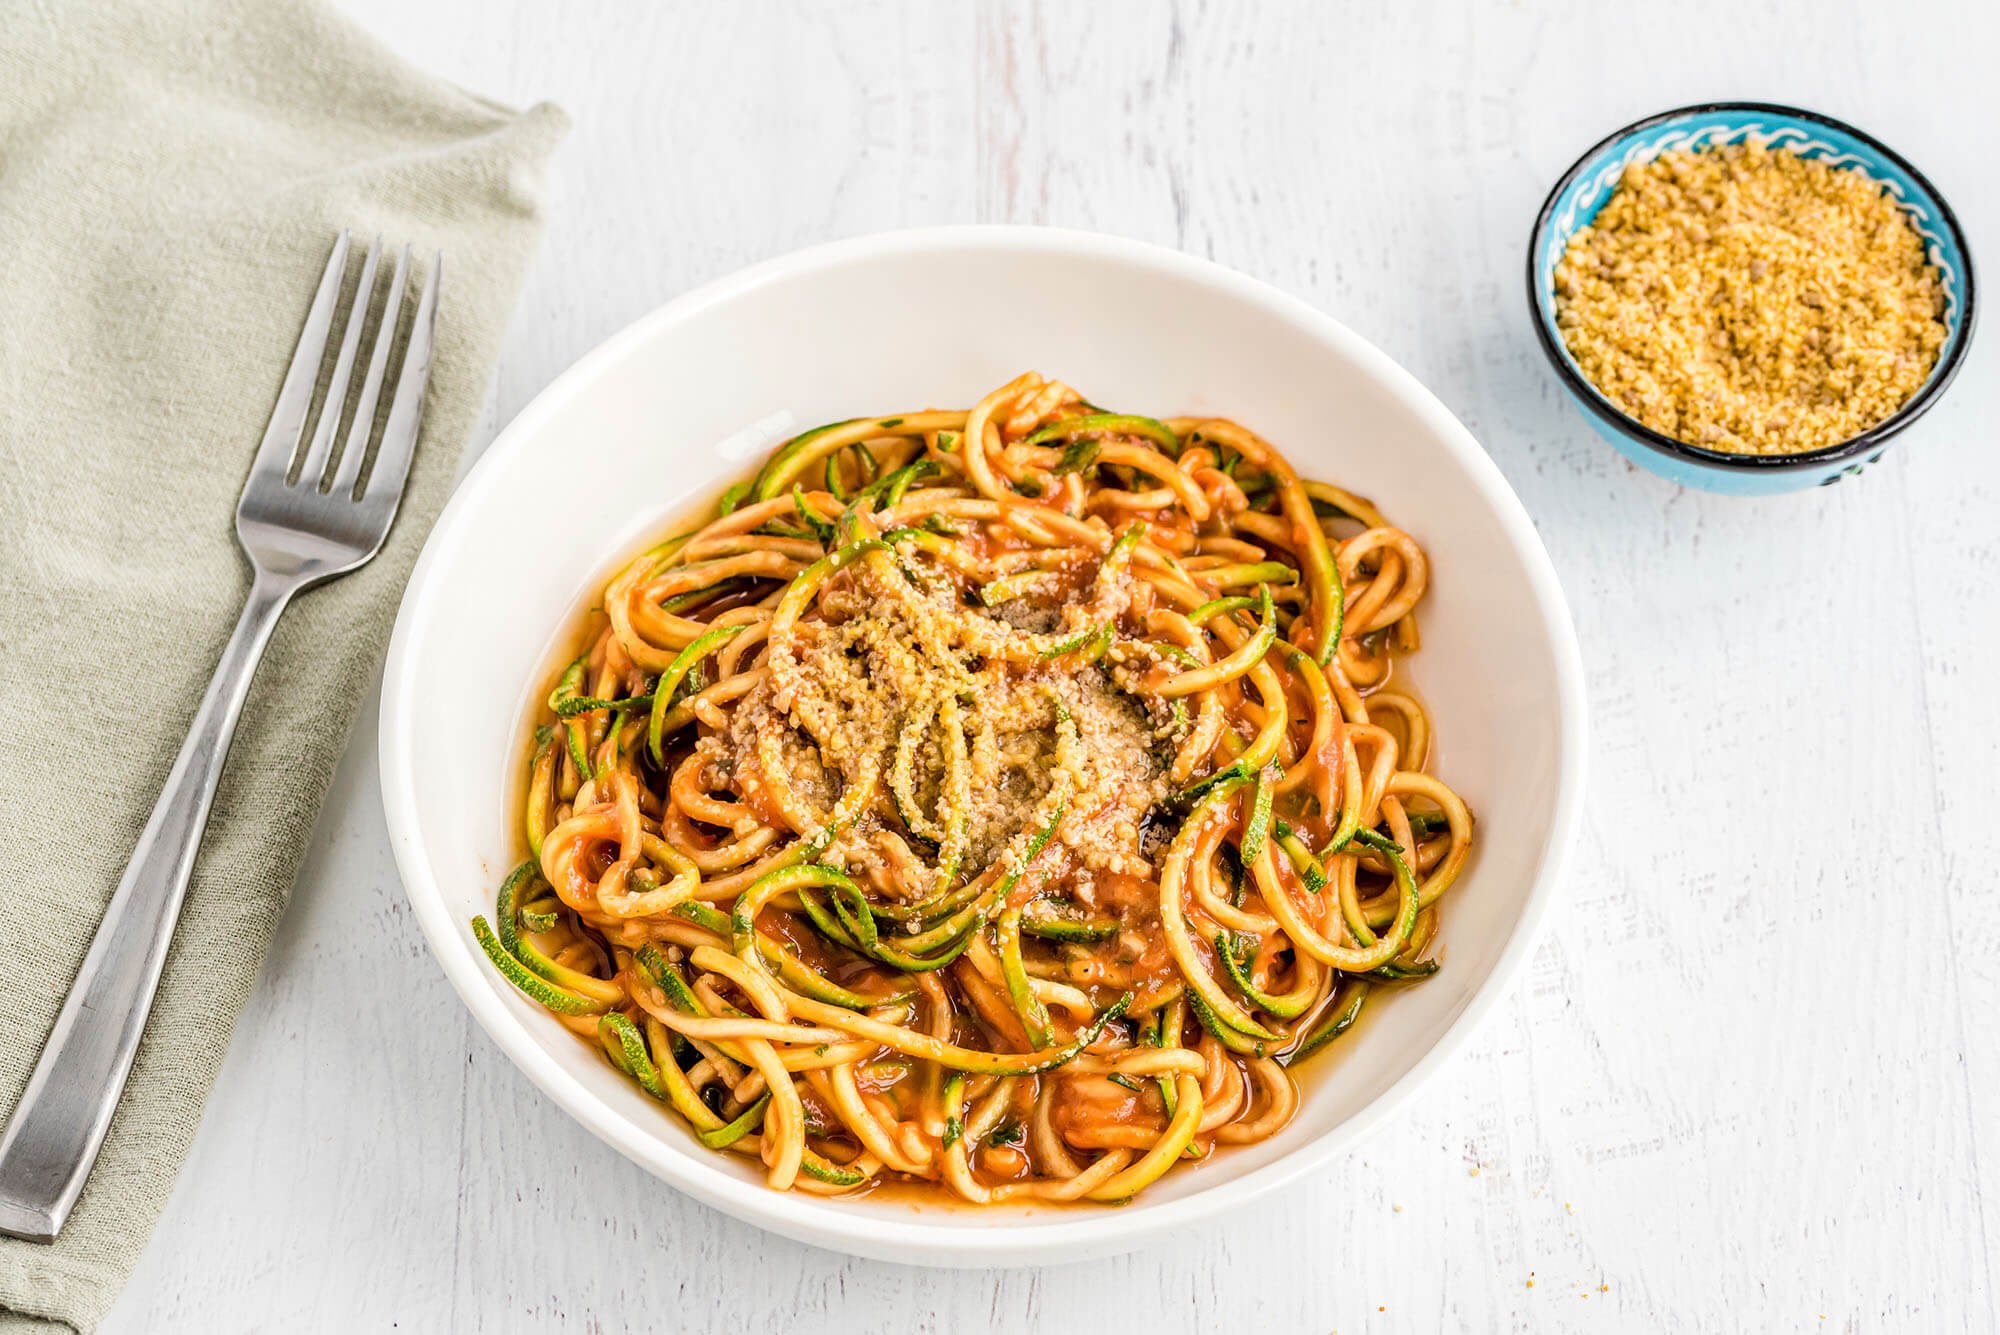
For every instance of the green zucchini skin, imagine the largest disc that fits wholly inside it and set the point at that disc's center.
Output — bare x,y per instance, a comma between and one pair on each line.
669,980
1259,823
1033,1014
1246,1044
569,685
1077,456
1235,961
663,690
1337,1023
560,1000
1393,972
507,913
824,1170
1311,871
731,1132
1052,925
1232,775
786,463
1109,424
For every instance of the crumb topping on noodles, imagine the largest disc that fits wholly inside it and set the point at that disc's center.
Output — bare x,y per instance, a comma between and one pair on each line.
906,676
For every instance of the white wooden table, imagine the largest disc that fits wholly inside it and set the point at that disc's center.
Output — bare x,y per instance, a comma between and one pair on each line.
1751,1080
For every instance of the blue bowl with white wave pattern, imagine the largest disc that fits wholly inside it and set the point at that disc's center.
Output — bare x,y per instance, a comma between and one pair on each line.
1584,189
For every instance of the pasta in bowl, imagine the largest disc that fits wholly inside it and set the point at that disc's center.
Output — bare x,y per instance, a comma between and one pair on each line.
617,455
1004,799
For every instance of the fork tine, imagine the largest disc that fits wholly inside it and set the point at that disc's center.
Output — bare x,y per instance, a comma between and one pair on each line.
319,452
288,416
399,434
355,449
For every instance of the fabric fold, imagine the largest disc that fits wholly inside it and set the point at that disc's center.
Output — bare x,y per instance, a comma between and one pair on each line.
172,173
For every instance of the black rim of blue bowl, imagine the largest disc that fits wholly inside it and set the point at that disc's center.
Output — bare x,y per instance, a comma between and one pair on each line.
1875,437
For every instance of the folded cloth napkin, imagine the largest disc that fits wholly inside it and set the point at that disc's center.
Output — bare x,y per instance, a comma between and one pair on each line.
172,175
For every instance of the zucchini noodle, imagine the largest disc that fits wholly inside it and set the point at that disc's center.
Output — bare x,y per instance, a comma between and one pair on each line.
988,799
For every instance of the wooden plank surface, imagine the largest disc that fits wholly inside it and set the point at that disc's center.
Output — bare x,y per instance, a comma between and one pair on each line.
1750,1081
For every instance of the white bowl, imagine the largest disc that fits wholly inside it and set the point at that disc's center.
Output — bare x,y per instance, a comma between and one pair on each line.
609,452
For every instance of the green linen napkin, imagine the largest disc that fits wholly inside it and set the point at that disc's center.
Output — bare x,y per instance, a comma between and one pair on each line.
172,174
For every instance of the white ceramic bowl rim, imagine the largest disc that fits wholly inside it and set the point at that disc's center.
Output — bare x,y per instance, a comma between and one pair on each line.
1085,1232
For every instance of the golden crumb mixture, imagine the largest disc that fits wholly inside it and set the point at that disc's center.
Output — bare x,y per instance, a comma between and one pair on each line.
1743,298
903,681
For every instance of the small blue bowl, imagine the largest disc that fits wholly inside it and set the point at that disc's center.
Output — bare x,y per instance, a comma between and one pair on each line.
1586,186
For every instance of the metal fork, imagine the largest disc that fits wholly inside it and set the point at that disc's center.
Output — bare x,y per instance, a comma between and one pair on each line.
299,524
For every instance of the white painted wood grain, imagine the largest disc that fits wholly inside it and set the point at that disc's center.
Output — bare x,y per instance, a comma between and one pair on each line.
1751,1082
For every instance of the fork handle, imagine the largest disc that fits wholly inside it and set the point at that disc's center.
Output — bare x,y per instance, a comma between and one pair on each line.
59,1124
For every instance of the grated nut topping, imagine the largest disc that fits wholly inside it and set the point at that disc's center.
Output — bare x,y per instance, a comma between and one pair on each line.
1748,300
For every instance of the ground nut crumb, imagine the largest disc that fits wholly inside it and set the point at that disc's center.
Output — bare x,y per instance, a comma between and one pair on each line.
1748,300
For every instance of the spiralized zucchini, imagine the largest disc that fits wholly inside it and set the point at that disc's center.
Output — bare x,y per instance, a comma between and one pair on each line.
988,798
